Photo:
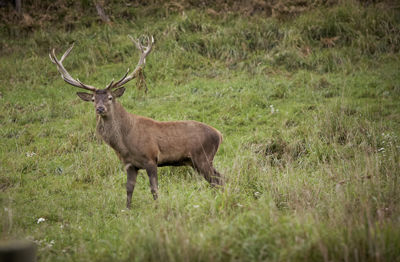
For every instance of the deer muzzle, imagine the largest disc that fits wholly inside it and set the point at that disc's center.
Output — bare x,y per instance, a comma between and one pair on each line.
101,110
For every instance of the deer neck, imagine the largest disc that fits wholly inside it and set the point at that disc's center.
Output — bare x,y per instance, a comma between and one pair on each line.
110,127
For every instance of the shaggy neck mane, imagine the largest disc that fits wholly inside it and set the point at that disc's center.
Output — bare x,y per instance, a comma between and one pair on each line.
110,126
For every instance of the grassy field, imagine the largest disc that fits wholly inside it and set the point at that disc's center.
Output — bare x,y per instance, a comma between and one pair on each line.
309,107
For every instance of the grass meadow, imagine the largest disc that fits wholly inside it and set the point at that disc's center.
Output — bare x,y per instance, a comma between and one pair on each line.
309,107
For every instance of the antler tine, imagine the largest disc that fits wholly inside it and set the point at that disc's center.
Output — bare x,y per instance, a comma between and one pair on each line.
64,73
66,52
110,84
51,58
142,61
137,43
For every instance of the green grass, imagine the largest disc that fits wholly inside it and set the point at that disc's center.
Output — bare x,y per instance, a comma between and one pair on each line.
311,149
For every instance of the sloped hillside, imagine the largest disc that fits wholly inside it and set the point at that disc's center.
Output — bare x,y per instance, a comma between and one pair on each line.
305,93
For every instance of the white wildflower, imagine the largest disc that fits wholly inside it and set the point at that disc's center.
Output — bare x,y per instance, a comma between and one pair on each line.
51,244
40,220
196,206
38,242
30,154
272,109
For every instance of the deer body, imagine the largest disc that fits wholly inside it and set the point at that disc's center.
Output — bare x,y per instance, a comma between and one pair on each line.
144,143
139,141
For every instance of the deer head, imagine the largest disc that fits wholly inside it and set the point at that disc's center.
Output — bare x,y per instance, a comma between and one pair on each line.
104,99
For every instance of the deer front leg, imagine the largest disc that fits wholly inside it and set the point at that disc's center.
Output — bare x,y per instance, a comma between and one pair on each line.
130,184
152,173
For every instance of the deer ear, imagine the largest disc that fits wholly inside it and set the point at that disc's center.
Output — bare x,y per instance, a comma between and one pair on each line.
118,92
85,96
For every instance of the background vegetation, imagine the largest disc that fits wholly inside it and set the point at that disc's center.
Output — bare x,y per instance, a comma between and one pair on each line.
306,94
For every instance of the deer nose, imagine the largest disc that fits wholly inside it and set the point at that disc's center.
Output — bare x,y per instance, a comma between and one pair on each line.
100,109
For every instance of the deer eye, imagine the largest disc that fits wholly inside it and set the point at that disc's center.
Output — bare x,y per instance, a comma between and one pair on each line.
110,98
92,99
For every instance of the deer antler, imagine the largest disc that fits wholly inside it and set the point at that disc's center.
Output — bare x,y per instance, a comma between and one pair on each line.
64,73
142,61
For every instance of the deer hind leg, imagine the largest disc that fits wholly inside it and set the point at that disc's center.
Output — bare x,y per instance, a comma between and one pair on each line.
152,173
130,183
204,166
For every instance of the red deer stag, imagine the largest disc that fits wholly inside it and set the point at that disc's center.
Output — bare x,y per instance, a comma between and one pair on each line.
144,143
